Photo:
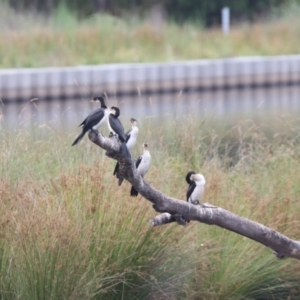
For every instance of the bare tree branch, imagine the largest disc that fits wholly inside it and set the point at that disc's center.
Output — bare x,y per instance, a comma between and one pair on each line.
174,210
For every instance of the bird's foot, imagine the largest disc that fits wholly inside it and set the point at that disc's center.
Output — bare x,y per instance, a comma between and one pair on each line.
199,203
278,255
196,202
120,180
112,134
95,131
156,208
181,221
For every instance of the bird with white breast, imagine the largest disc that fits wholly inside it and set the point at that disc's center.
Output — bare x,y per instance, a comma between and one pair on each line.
142,165
196,188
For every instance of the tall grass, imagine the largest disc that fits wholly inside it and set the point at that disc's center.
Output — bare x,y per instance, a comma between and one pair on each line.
68,232
32,40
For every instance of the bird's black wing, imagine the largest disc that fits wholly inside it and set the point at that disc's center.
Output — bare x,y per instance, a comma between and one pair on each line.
117,127
85,120
88,123
116,168
138,161
127,134
190,190
133,192
93,119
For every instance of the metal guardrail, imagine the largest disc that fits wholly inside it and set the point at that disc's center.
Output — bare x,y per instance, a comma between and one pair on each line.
23,84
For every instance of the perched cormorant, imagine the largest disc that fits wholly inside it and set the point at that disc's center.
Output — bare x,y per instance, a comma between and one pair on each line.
116,127
94,120
196,187
195,190
114,124
142,166
131,137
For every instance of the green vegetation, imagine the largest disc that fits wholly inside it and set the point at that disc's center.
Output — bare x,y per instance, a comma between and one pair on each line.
68,232
206,11
33,40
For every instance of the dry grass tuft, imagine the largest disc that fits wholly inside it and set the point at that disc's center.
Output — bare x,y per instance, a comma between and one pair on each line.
68,231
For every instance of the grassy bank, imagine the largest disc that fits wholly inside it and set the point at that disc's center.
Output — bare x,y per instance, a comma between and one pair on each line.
68,232
31,40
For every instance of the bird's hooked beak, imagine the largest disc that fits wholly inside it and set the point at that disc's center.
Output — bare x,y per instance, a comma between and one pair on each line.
198,177
194,177
95,99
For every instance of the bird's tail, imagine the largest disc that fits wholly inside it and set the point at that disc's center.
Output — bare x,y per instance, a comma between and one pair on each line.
116,168
78,139
124,149
116,172
133,192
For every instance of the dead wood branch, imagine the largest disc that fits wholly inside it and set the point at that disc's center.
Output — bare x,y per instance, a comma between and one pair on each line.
174,210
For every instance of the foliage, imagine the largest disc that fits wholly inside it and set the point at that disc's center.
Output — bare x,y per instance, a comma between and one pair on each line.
210,11
180,10
32,40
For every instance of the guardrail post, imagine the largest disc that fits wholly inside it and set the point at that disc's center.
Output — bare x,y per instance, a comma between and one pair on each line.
225,20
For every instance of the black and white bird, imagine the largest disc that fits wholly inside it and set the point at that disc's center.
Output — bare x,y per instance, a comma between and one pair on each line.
142,165
131,137
94,120
196,187
115,126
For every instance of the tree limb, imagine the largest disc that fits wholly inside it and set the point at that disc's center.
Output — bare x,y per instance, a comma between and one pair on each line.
174,210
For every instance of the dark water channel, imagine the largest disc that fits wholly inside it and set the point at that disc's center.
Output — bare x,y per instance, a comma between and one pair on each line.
260,103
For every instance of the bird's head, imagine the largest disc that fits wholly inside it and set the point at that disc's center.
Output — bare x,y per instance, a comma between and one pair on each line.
133,121
198,178
101,100
188,176
145,145
115,111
